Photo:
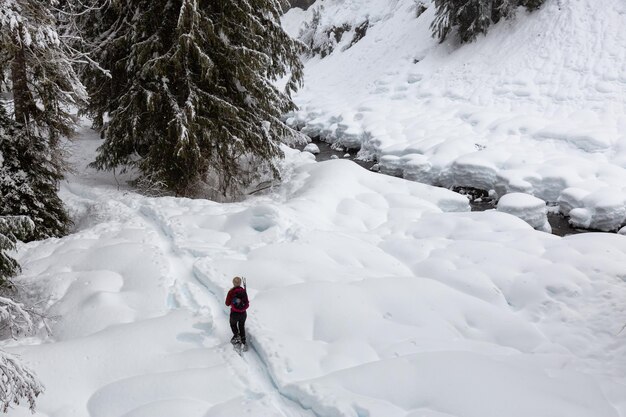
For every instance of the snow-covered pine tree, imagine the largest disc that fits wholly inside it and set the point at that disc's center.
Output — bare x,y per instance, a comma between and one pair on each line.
28,178
33,58
12,228
190,94
473,17
17,381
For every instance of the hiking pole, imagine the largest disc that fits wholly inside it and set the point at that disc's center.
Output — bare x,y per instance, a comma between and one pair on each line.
244,283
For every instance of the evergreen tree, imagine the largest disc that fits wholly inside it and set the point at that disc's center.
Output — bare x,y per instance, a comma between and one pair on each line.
473,17
189,91
17,382
42,79
12,228
36,68
28,178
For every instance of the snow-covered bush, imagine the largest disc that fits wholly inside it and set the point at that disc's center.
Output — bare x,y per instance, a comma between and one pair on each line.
17,382
420,7
473,17
12,228
302,4
322,38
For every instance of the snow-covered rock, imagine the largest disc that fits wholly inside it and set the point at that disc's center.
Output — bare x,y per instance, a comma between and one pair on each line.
571,198
417,167
390,165
312,148
603,209
414,167
528,208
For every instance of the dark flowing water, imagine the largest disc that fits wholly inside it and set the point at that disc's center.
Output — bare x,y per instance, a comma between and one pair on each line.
479,199
327,152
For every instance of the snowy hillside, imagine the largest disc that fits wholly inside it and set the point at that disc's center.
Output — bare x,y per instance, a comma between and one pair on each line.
370,296
536,106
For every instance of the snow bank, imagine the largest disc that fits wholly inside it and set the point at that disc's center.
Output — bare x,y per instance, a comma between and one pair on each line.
528,208
536,106
603,209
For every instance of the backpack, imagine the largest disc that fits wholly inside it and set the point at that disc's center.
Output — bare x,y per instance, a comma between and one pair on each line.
239,300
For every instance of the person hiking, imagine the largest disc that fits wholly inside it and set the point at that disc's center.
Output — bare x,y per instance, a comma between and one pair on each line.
237,299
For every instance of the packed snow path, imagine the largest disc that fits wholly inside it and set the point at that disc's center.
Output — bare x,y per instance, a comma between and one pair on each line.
136,334
370,296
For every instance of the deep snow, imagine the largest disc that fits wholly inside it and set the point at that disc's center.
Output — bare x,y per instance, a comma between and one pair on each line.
370,296
537,106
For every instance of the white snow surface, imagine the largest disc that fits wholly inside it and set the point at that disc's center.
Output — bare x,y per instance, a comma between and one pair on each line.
312,148
538,105
370,296
531,209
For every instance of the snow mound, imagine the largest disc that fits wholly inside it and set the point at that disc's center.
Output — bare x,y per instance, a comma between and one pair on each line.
312,148
449,381
528,208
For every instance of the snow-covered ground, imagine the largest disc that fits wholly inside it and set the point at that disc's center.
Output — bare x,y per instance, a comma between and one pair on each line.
537,106
370,296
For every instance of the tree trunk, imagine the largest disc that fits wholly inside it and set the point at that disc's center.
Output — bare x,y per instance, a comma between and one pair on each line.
22,99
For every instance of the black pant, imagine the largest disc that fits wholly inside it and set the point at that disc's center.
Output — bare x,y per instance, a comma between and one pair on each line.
237,324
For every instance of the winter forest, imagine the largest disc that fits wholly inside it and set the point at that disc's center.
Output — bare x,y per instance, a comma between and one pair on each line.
425,199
